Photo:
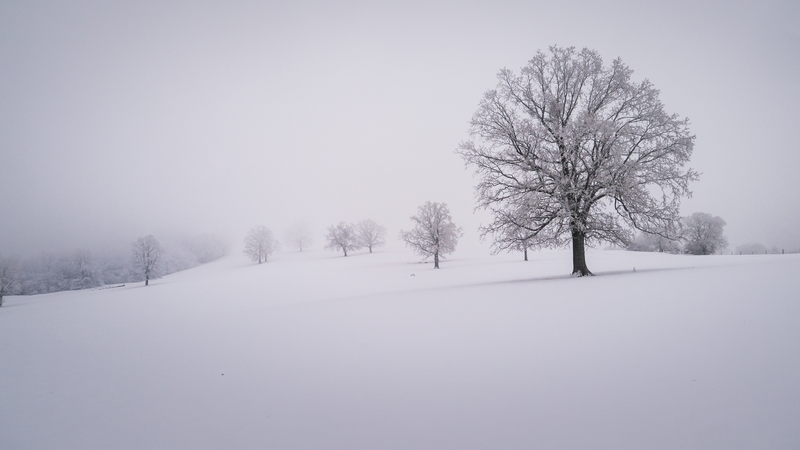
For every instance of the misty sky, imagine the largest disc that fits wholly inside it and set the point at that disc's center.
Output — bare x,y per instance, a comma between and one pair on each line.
120,119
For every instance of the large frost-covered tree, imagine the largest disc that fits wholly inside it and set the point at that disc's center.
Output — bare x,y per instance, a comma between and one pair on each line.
259,243
434,233
370,234
589,153
147,256
342,237
703,234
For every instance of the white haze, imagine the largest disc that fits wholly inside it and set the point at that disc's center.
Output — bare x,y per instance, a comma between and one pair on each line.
124,119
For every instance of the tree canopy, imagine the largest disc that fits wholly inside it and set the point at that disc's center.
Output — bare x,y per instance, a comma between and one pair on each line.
434,233
571,150
259,243
342,237
147,256
371,234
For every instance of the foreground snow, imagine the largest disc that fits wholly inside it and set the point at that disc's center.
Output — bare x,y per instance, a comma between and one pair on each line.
315,351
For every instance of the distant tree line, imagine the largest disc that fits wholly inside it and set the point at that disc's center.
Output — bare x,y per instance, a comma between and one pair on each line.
80,269
699,234
434,235
755,248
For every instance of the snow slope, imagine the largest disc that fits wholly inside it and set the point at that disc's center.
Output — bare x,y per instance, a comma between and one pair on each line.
316,351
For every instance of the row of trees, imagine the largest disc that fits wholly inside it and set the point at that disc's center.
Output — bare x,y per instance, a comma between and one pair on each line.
51,272
568,150
260,243
346,237
80,269
434,235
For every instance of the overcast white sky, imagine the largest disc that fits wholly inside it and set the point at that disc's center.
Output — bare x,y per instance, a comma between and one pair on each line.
120,119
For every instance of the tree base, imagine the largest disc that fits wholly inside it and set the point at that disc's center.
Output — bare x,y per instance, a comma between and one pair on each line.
582,273
579,268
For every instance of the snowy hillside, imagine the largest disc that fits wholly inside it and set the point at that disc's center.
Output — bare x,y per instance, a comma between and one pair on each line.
379,351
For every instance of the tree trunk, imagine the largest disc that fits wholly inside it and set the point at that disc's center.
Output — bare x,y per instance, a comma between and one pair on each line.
436,260
526,253
1,299
579,254
146,281
345,251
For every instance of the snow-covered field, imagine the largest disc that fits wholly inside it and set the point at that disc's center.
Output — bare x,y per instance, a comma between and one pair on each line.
379,351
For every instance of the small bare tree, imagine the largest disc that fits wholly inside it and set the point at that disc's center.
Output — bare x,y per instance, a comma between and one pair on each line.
434,233
342,237
8,277
259,243
513,239
510,231
299,236
370,234
147,256
703,234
